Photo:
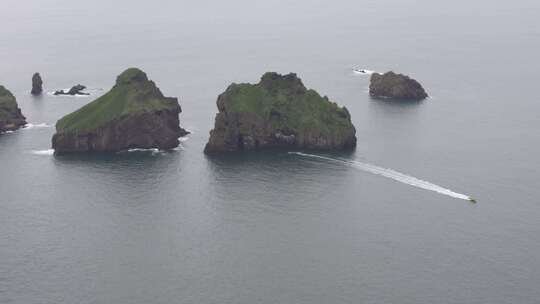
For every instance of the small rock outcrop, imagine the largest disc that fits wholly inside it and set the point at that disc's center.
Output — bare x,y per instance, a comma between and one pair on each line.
397,86
37,84
133,114
75,90
279,112
11,117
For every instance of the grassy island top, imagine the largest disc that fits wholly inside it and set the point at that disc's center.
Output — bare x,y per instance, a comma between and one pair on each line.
133,93
285,101
7,103
6,98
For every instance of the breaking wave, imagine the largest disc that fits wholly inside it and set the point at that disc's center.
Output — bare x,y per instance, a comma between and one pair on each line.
29,126
152,151
43,152
392,174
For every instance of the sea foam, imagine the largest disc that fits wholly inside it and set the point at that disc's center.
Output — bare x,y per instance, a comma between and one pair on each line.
43,152
29,126
153,151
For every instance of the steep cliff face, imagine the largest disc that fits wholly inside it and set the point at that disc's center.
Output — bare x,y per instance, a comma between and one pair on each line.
133,114
398,86
11,117
278,112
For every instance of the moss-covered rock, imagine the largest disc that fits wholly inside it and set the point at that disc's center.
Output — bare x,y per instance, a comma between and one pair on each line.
397,86
133,114
279,112
11,117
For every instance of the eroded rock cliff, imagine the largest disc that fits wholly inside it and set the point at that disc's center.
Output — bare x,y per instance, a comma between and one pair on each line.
133,114
397,86
279,112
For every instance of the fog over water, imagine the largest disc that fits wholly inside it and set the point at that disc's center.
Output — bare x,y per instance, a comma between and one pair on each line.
278,227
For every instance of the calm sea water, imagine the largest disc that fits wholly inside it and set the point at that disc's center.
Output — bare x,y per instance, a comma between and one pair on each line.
182,227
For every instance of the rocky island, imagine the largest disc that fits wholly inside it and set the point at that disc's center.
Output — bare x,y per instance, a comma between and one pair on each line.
396,86
11,117
37,84
133,114
75,90
279,112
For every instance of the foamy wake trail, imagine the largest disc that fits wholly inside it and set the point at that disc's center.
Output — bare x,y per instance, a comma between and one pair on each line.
392,174
29,126
43,152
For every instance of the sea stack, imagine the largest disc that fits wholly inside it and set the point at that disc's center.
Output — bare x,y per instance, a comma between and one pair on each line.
11,117
279,112
396,86
133,114
37,84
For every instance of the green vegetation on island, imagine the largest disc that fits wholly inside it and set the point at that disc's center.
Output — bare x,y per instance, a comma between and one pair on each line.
11,117
132,94
279,111
133,114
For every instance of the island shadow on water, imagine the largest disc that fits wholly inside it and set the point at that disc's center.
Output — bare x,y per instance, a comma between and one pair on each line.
272,154
275,181
396,102
276,159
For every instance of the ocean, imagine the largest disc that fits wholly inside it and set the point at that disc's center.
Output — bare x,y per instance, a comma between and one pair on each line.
386,223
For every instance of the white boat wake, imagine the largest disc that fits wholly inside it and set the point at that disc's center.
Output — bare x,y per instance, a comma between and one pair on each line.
395,175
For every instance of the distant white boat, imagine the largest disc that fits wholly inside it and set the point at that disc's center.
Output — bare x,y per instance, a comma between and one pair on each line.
365,72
